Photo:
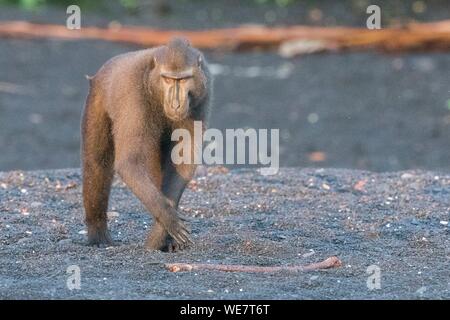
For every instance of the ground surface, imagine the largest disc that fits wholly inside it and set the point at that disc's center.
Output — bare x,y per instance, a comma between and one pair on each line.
396,221
361,110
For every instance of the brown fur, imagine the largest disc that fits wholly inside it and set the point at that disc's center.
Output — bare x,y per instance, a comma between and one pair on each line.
126,128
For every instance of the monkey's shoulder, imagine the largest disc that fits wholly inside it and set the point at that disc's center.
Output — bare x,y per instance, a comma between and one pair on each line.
125,64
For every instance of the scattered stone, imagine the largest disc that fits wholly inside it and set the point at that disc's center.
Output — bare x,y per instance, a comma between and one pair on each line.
23,240
65,242
112,214
407,176
309,254
421,290
36,204
359,186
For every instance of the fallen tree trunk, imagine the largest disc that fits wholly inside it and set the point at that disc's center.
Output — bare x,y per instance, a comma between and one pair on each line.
332,262
290,40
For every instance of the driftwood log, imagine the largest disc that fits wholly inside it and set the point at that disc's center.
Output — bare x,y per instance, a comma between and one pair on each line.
290,40
332,262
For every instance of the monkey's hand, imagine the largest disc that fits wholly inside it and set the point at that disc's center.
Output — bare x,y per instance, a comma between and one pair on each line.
176,227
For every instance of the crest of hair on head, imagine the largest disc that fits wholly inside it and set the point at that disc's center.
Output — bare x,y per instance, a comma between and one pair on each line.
179,54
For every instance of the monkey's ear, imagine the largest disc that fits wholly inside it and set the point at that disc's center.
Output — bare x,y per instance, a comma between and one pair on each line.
153,62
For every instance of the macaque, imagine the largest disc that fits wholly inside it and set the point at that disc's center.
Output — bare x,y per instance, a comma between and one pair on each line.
135,102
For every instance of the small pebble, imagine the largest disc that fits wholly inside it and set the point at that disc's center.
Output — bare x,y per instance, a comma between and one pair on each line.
20,241
407,176
64,242
82,232
36,204
308,254
443,222
421,290
112,214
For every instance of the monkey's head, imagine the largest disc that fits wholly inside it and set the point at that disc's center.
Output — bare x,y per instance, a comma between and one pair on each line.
179,74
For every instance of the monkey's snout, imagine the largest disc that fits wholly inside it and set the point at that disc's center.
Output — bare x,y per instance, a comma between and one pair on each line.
179,106
176,106
177,110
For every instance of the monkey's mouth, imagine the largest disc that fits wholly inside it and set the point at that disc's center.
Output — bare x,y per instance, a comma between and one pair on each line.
177,112
177,116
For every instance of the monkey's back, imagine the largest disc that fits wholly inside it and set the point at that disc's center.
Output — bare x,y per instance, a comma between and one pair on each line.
120,81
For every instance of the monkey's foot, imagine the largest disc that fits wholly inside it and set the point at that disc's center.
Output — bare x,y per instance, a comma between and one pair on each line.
176,228
100,238
165,244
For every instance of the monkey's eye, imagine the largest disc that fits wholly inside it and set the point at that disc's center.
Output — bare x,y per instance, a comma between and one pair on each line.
183,80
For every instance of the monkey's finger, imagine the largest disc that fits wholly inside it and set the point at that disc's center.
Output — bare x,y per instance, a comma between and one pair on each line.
180,226
186,236
190,241
186,228
178,240
178,237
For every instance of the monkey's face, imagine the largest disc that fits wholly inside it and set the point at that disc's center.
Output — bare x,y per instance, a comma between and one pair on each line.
177,87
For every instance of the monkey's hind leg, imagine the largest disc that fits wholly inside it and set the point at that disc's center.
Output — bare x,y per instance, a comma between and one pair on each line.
97,159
